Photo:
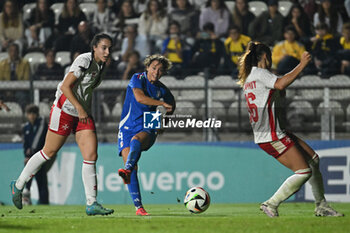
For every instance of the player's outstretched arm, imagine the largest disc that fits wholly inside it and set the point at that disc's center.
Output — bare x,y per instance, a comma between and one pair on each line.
170,99
143,99
288,78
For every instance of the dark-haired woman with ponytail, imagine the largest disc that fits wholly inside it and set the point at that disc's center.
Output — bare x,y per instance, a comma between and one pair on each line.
262,92
71,112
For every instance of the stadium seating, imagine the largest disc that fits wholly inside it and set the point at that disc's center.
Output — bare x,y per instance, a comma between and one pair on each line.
335,110
300,116
257,7
186,108
88,8
347,123
311,94
63,58
16,110
27,9
116,111
105,110
338,93
217,110
193,95
34,59
11,121
3,55
230,5
233,115
57,9
224,95
171,80
300,107
284,7
44,110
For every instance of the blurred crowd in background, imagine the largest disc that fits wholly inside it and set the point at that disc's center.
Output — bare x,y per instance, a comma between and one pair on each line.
193,34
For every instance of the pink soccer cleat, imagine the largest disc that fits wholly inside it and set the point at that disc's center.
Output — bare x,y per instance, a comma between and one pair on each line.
141,212
125,175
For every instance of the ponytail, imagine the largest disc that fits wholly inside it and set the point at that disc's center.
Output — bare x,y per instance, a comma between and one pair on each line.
250,58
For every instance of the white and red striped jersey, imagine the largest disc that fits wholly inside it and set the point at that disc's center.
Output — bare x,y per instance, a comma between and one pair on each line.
88,80
263,105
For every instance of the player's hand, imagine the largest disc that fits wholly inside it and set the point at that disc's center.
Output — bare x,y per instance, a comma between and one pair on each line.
305,58
83,116
168,107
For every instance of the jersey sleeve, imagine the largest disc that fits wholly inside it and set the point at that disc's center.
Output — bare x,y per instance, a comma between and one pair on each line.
268,79
166,94
136,81
79,62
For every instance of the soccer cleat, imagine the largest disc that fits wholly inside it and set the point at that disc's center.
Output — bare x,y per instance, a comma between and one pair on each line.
125,175
324,210
98,209
16,195
141,212
269,209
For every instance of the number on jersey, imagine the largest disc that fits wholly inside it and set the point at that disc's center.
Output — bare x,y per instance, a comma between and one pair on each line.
252,108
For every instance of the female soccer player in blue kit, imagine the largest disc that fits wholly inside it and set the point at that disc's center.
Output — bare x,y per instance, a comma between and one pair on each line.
143,94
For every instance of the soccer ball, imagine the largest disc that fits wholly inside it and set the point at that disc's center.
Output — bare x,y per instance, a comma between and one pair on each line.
197,200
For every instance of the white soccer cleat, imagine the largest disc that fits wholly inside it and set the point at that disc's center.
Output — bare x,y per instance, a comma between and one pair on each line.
269,209
324,210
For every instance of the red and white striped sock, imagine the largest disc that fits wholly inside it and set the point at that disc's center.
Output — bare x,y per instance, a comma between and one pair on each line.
90,181
291,185
31,168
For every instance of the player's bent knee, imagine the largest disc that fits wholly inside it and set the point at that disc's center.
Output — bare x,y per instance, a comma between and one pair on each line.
49,153
136,138
90,156
304,174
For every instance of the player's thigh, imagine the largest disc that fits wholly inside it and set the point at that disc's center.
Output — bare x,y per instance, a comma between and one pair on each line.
87,142
307,151
53,143
144,138
293,159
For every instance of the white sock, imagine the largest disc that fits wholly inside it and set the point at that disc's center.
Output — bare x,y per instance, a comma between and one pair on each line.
316,180
290,186
89,180
31,168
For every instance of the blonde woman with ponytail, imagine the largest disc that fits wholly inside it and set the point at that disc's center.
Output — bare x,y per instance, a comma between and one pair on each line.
262,93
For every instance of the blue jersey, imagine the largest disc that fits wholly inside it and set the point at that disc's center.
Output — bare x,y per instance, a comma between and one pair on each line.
132,114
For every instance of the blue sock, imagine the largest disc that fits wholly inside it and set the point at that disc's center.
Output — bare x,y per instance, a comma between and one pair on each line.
134,154
134,189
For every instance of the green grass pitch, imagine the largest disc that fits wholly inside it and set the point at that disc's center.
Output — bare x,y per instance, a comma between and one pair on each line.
219,218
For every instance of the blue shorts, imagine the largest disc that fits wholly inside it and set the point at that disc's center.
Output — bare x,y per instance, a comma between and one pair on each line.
124,138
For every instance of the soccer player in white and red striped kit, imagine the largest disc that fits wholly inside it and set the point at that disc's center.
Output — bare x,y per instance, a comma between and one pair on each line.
262,93
71,112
